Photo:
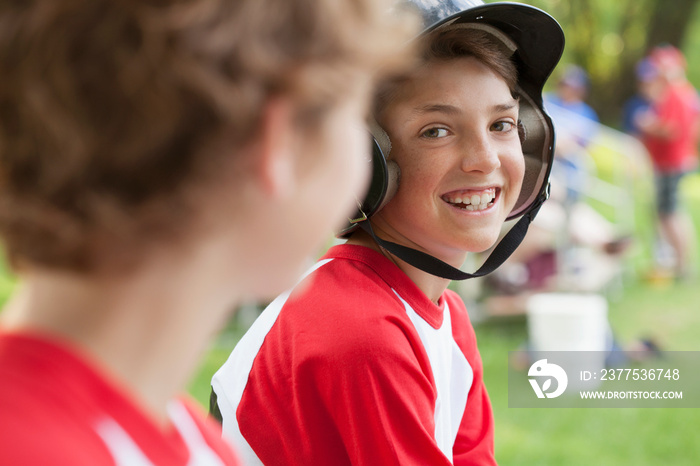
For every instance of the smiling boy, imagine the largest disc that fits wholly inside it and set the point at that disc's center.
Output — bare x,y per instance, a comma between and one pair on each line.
371,360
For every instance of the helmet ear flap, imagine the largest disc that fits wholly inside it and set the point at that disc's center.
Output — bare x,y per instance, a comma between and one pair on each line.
384,184
389,168
393,178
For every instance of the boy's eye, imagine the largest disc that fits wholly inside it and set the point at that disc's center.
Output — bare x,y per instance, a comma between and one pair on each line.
503,126
434,133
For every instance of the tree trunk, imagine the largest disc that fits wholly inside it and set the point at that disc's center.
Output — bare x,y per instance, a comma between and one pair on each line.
669,22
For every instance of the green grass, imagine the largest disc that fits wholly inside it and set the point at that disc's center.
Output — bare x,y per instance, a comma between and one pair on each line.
580,436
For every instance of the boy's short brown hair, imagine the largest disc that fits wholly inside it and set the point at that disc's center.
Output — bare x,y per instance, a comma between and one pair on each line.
456,42
453,42
109,108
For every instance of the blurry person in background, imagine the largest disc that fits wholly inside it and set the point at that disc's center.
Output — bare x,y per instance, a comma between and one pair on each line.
638,104
572,92
670,129
576,123
160,161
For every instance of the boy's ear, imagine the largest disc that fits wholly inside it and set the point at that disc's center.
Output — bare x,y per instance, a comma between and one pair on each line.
277,157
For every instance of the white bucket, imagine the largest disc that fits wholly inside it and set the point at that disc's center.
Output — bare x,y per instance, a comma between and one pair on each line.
575,323
568,322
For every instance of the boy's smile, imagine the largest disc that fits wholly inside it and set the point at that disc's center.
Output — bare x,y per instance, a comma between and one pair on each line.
471,200
454,135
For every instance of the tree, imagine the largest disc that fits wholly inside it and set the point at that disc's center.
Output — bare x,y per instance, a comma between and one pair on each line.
670,22
609,37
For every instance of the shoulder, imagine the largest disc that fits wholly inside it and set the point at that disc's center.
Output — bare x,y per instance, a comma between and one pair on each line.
344,315
343,295
344,311
341,310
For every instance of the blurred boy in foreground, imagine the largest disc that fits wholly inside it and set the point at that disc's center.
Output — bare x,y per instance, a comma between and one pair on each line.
151,152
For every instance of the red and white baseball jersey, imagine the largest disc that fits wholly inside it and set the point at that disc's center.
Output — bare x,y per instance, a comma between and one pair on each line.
58,409
357,366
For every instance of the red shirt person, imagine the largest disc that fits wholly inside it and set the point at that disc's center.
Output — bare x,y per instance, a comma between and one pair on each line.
670,130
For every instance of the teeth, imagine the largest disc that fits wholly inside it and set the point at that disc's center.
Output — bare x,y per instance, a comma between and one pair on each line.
477,201
472,207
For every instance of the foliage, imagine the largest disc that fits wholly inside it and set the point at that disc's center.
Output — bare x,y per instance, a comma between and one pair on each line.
608,38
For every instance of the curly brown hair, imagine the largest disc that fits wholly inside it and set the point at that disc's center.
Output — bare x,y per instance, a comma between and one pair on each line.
107,107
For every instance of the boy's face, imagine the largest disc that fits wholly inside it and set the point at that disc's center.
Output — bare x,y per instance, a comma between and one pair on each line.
454,135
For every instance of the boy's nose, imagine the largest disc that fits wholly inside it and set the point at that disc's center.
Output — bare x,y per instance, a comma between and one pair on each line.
479,154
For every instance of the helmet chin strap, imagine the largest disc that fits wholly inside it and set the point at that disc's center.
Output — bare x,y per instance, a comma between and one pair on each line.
435,266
